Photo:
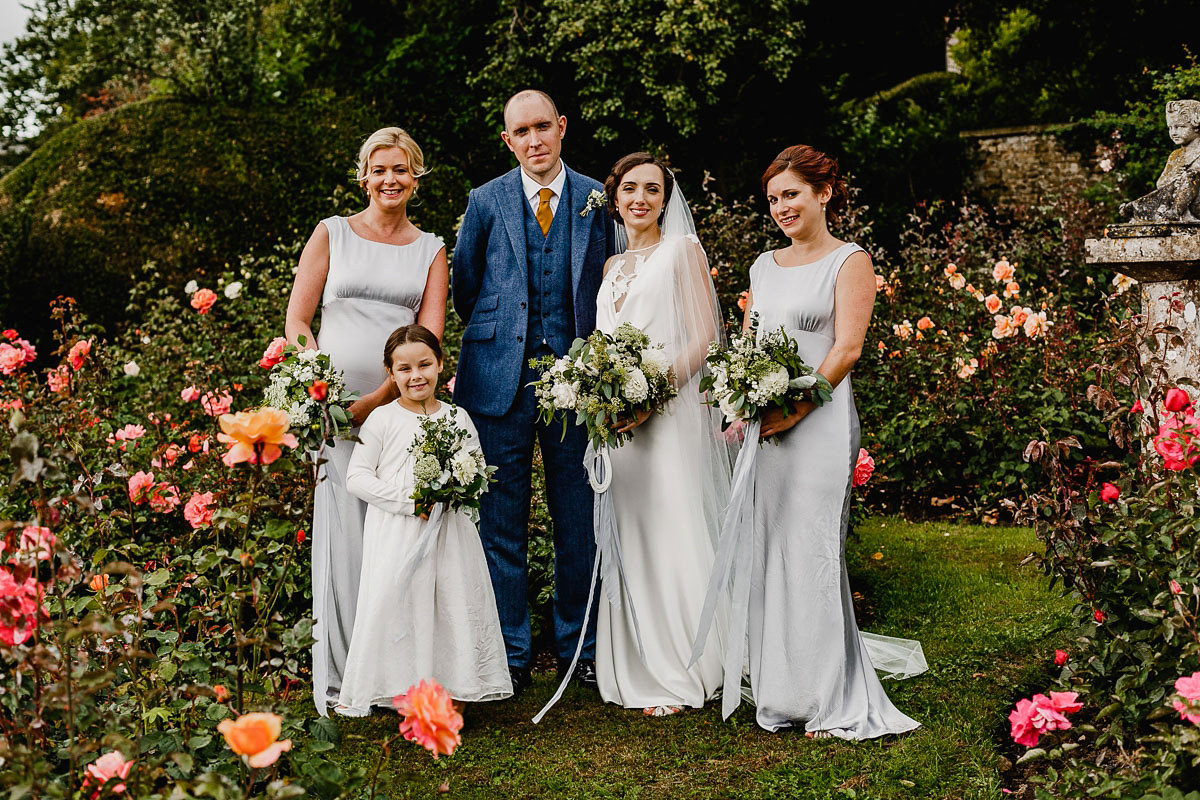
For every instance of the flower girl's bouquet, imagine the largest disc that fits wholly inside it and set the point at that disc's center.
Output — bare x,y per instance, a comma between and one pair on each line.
606,380
312,392
446,469
755,374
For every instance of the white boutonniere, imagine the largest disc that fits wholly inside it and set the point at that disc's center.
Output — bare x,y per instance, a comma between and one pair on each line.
596,199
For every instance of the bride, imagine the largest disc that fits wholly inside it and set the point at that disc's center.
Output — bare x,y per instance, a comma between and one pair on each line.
671,481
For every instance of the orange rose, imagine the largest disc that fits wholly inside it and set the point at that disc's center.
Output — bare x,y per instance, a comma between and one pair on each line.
924,324
265,429
203,300
98,582
430,718
254,738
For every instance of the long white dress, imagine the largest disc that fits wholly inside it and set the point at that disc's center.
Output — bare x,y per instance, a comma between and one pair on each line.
372,288
809,665
666,525
442,624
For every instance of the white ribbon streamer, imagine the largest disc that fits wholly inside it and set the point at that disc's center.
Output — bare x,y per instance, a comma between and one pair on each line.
734,555
429,534
608,566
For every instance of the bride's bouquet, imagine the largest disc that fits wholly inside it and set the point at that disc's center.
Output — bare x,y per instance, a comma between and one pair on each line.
312,392
446,469
757,373
605,379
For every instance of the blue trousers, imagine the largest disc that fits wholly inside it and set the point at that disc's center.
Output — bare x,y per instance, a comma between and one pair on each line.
507,443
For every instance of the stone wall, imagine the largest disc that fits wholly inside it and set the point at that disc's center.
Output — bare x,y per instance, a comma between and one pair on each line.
1020,165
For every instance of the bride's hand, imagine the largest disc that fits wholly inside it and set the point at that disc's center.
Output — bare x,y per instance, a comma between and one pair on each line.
638,419
774,422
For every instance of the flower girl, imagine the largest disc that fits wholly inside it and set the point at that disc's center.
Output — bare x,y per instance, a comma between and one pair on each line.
425,602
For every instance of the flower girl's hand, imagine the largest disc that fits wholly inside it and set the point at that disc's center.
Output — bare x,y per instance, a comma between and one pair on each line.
774,421
638,419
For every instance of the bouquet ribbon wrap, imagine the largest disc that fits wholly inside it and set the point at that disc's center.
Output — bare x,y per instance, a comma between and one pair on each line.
735,551
429,534
608,566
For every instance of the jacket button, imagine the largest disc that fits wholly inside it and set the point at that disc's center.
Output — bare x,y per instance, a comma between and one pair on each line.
547,272
520,338
522,304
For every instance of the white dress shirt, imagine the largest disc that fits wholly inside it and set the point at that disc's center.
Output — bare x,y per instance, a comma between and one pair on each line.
532,188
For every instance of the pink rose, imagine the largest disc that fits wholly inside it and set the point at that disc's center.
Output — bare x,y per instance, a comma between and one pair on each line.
1177,400
1061,657
28,349
864,467
1019,315
1003,272
1177,441
203,300
1036,324
130,433
58,379
1065,702
190,394
1041,714
197,511
79,353
108,767
1176,588
169,456
1188,702
40,541
1137,407
11,358
274,353
992,303
216,404
1109,493
1005,327
140,486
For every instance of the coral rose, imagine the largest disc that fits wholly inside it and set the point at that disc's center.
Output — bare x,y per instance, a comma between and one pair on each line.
1003,272
1012,289
864,467
1109,493
743,300
11,358
430,718
254,434
216,404
1004,327
99,582
58,379
203,300
189,394
79,353
957,281
196,511
319,390
924,324
274,353
141,484
992,303
254,737
109,767
165,498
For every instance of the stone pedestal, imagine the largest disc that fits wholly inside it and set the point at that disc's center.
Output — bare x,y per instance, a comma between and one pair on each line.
1164,257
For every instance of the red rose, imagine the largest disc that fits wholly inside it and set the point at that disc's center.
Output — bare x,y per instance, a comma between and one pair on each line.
1061,657
1100,615
1137,407
319,390
1177,400
1109,493
301,536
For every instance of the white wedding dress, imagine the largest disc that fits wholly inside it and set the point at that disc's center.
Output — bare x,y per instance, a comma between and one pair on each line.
666,509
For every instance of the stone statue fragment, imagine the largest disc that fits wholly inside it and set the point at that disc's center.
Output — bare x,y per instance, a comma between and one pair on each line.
1177,196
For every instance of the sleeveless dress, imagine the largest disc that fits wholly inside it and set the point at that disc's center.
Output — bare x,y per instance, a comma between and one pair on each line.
809,665
441,623
372,288
660,512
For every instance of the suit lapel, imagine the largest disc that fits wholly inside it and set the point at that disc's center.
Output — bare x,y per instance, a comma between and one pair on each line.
512,212
580,226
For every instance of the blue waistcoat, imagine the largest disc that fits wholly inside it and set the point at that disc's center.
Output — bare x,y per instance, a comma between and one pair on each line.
548,265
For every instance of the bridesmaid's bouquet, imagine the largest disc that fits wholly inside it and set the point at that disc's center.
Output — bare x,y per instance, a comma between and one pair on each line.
756,373
605,379
447,470
306,386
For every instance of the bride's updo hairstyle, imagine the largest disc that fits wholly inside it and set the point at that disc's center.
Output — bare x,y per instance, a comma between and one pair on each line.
391,137
814,168
623,166
410,334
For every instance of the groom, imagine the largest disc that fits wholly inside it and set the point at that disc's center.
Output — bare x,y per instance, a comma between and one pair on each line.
527,267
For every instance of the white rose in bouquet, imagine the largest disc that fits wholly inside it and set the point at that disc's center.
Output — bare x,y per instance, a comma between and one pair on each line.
654,362
773,383
566,396
636,388
463,465
725,403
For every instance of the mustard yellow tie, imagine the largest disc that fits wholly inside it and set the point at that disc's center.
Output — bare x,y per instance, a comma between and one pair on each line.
544,215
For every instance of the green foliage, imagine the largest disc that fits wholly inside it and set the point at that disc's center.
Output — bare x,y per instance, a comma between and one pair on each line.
183,185
1131,563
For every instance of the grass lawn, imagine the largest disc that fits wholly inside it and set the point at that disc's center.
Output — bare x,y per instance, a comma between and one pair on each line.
989,628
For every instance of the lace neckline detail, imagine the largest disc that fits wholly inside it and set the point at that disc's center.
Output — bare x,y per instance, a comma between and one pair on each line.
620,276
